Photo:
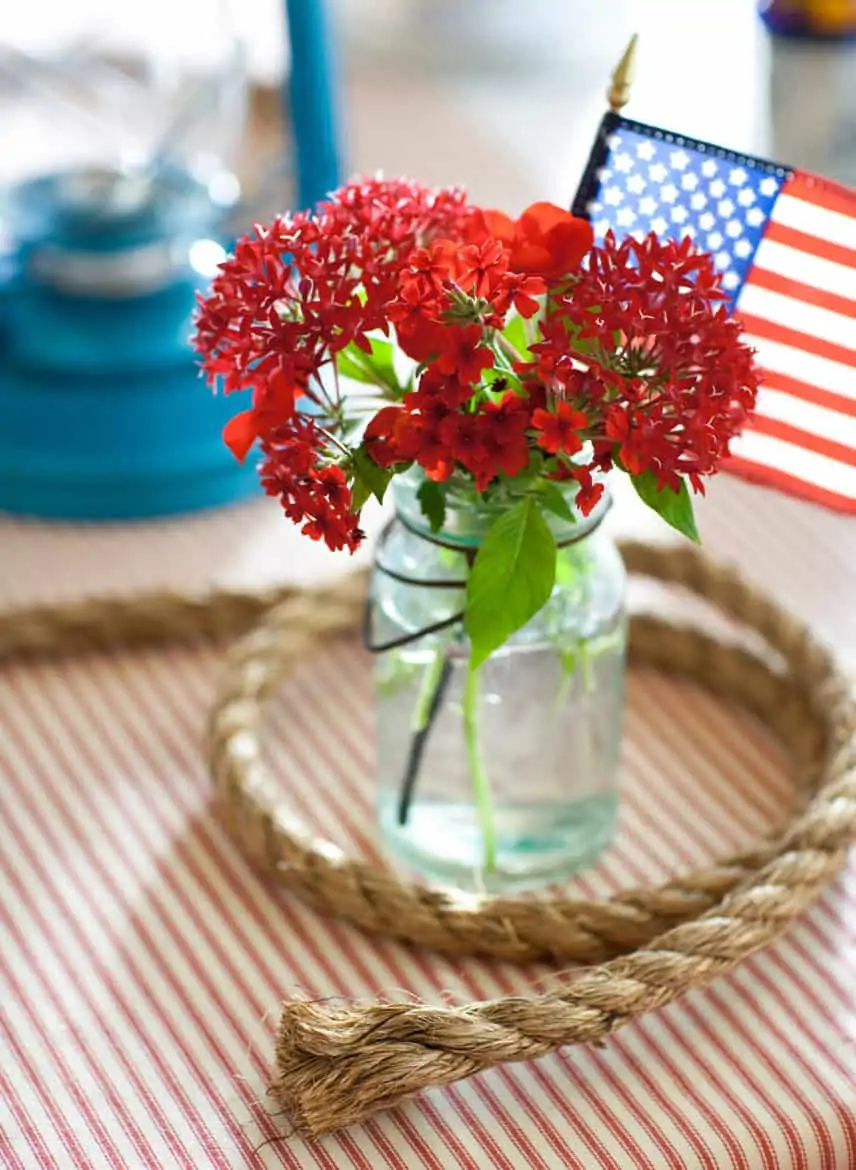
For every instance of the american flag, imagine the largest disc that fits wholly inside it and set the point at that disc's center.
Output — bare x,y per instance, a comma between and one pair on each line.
785,242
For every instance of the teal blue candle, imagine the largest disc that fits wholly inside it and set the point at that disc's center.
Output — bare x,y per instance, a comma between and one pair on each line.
312,100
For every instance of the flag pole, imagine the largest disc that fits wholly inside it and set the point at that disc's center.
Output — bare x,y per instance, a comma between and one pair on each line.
623,77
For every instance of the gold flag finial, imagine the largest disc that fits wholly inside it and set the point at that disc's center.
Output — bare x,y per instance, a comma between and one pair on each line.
622,78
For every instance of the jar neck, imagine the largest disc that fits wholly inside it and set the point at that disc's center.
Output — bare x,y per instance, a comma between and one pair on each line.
468,517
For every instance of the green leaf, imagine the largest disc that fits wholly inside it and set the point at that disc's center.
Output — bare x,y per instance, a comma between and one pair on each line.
497,381
369,479
511,579
675,507
552,499
349,365
382,362
432,500
515,332
376,368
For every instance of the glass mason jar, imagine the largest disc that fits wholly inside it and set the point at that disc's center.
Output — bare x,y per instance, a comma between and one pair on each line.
506,777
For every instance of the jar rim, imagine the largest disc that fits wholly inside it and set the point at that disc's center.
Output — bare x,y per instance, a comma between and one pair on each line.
409,513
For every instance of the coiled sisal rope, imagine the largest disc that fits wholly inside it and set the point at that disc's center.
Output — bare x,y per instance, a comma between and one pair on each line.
336,1064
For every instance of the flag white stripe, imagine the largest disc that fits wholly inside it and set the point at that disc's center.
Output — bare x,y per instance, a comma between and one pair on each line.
808,466
796,264
792,313
805,367
832,226
817,420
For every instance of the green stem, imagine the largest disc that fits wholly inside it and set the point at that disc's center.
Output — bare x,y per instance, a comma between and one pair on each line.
507,349
478,776
427,689
435,680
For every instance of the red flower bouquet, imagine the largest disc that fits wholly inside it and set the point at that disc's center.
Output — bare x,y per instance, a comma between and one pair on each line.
512,356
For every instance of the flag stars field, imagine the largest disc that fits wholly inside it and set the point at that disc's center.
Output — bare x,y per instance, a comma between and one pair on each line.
785,243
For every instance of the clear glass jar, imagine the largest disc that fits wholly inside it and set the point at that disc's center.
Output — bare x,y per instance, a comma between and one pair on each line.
505,778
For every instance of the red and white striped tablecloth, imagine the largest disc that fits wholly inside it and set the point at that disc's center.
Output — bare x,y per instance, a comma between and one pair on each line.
142,962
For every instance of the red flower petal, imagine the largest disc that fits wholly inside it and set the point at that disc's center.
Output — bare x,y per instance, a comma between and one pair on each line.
539,218
498,225
534,258
240,433
568,243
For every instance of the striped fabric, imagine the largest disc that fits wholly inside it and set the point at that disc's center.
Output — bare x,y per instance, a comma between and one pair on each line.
142,962
785,242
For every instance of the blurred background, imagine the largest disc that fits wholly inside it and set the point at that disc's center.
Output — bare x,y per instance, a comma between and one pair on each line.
137,140
502,95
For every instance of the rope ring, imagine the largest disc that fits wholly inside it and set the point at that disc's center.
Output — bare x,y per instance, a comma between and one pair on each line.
644,948
336,1065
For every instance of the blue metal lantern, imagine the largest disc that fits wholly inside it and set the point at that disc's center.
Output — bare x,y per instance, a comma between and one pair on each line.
111,225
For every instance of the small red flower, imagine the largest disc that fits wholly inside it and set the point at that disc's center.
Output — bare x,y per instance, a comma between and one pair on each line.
589,495
559,428
464,353
463,436
421,338
379,436
312,493
443,387
520,291
506,424
481,267
670,380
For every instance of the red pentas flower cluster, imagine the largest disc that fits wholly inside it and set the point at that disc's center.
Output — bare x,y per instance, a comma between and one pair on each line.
501,353
312,493
666,374
469,409
292,297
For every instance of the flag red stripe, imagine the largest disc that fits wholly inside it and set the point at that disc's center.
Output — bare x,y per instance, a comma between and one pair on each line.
807,294
791,485
809,393
822,193
761,327
805,439
780,233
